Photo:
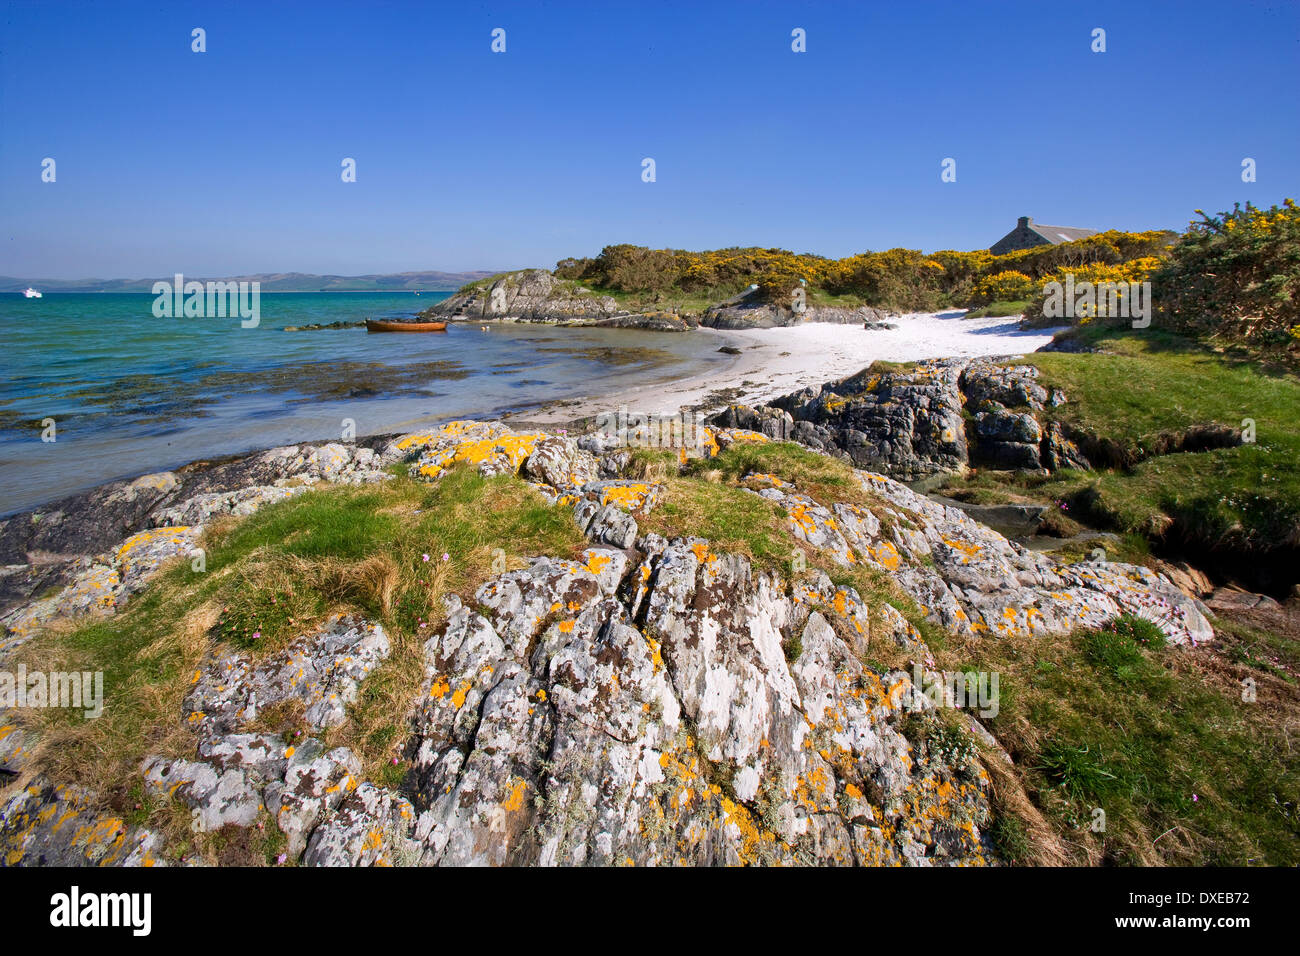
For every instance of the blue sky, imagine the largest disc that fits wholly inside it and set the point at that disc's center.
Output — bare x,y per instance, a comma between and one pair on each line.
228,161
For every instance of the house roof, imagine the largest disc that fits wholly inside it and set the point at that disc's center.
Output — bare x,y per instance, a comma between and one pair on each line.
1060,233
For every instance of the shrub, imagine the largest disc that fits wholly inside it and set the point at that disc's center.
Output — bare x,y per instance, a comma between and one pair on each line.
574,268
1237,275
630,268
1138,630
1098,274
1006,286
778,287
902,279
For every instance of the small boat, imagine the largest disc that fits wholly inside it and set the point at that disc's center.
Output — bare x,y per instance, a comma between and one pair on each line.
379,325
31,293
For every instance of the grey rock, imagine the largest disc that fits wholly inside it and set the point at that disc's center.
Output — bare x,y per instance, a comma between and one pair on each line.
532,295
322,670
372,827
559,462
748,311
772,422
314,784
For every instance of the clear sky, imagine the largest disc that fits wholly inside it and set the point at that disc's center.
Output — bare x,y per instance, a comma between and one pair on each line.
228,161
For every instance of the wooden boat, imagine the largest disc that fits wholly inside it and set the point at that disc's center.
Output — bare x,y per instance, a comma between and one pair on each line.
378,325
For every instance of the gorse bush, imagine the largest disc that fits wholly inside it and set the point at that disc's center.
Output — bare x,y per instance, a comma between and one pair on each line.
627,268
1006,286
1106,248
1099,275
900,279
1236,274
1233,277
778,287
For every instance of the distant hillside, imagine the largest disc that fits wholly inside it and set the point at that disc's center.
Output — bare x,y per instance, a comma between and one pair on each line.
432,281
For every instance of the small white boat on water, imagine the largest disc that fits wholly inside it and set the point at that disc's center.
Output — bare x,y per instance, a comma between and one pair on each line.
31,293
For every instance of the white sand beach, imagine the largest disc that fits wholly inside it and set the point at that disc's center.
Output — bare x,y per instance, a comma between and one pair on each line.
778,361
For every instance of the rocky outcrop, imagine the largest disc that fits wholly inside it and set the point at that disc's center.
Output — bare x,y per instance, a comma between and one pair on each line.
536,295
660,722
764,419
944,414
99,585
748,311
934,418
1235,599
655,701
74,539
532,295
905,424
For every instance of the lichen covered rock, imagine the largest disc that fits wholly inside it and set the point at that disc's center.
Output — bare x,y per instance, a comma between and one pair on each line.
654,701
320,671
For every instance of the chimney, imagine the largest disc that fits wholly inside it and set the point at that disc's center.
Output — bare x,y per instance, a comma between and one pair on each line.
1024,222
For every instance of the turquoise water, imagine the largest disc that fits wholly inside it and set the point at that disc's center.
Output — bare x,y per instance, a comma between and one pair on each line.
131,393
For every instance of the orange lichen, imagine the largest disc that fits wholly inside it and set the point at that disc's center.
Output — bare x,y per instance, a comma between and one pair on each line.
458,698
515,801
627,497
885,554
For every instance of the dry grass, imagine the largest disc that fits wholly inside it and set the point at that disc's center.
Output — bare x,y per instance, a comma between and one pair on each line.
1044,844
144,690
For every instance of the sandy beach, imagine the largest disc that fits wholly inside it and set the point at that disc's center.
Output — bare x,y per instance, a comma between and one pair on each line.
778,361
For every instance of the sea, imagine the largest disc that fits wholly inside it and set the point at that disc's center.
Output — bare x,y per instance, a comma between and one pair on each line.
94,387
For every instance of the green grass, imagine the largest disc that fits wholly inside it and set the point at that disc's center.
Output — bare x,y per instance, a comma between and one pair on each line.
1113,651
1157,737
998,309
1146,384
672,300
825,479
848,300
732,519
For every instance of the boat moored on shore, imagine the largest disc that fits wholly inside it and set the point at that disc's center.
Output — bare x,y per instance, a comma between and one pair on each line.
381,325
